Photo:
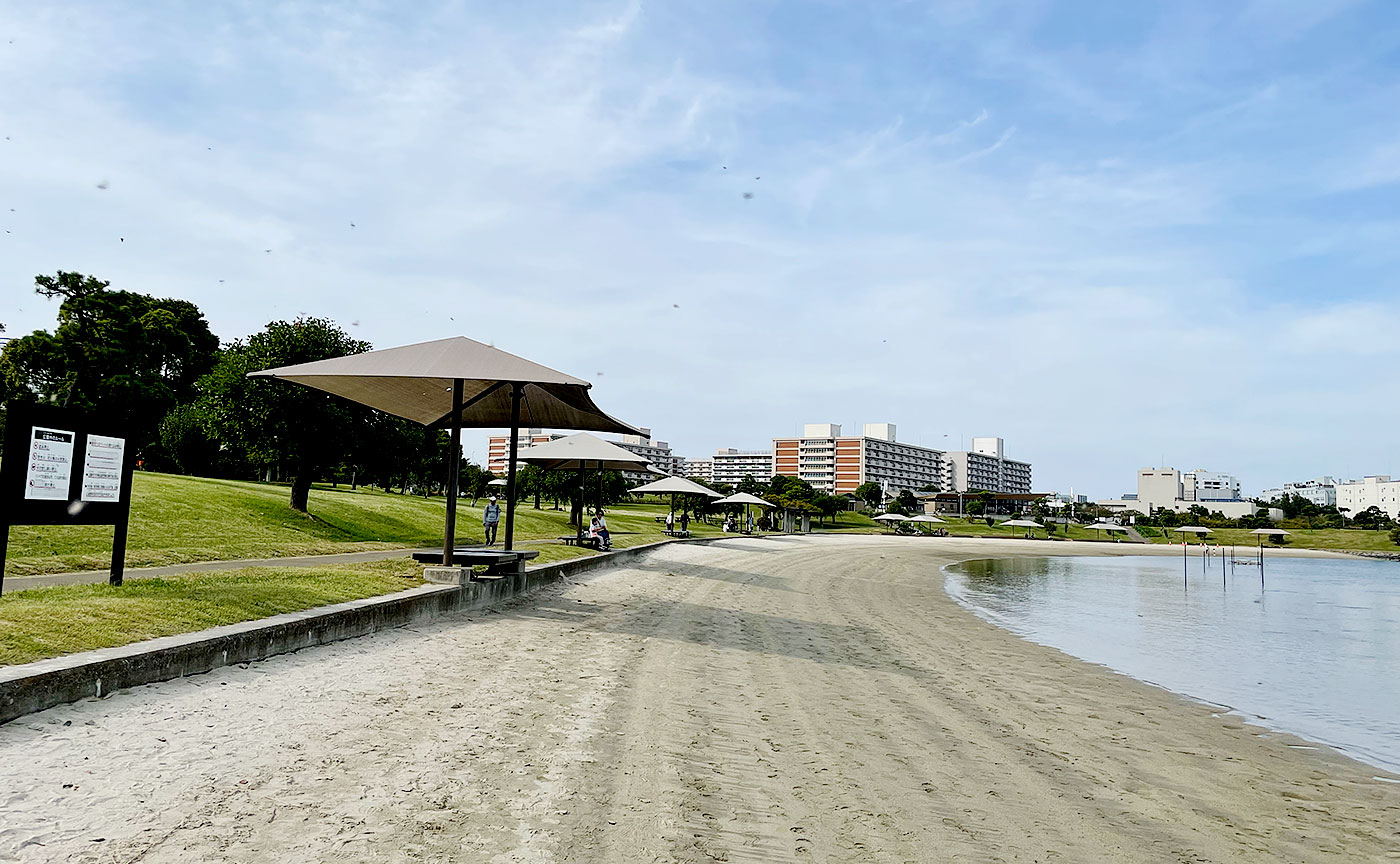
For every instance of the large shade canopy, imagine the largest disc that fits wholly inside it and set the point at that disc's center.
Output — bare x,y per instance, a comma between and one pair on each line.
1270,532
416,382
1021,523
1193,529
674,486
458,382
582,450
924,517
892,517
1105,526
743,498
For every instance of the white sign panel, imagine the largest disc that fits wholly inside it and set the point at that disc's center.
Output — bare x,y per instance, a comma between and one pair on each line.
102,468
50,464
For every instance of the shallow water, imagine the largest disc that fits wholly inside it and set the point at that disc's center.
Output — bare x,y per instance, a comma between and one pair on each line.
1316,652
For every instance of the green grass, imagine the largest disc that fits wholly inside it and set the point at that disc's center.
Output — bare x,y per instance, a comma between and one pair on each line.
1336,539
48,622
177,520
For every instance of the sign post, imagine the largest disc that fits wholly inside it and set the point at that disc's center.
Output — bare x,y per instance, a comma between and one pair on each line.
65,467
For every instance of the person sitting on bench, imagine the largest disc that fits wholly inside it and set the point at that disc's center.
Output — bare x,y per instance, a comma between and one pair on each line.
598,529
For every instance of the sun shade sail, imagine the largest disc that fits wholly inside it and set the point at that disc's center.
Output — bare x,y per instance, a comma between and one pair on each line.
589,450
415,382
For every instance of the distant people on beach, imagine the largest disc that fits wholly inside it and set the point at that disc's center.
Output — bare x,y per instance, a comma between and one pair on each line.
490,519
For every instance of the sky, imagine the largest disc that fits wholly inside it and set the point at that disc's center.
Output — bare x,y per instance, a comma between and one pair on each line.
1114,234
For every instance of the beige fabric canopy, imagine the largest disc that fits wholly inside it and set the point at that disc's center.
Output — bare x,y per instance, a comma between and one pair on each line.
415,382
582,450
744,498
675,486
458,382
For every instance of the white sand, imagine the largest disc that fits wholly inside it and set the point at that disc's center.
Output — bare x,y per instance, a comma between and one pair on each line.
814,699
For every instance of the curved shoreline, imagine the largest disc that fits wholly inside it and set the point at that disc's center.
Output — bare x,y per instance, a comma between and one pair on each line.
1355,754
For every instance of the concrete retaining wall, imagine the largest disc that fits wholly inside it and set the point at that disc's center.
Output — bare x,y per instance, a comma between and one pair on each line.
35,686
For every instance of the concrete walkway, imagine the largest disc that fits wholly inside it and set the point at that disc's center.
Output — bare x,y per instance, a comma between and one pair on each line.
92,577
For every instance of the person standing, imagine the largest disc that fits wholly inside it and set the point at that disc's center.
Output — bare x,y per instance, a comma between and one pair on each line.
671,521
750,523
685,521
490,519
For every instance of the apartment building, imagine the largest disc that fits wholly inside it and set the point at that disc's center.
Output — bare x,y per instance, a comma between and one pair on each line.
498,448
1376,490
839,464
658,453
698,469
985,468
732,466
1168,488
1321,491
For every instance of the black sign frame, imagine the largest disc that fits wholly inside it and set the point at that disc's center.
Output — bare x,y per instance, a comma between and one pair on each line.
20,423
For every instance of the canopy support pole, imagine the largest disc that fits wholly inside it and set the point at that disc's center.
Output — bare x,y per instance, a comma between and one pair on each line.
517,390
454,467
582,498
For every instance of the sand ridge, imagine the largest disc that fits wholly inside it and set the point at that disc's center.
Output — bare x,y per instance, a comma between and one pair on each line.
793,699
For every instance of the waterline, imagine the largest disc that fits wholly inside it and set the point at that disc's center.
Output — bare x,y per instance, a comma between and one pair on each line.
1315,653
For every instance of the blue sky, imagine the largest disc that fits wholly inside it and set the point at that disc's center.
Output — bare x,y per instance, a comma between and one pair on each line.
1111,233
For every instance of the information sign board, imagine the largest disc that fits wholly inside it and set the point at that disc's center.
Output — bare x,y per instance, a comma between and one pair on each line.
64,467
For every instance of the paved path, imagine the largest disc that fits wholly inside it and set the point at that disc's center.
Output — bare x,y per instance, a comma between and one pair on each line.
793,700
91,577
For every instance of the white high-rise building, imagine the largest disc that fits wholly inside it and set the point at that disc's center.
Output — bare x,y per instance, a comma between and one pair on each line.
732,466
698,469
1202,485
985,468
1322,491
1354,496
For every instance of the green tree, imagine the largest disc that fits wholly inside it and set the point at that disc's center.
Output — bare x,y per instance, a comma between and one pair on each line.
906,503
278,422
127,356
871,493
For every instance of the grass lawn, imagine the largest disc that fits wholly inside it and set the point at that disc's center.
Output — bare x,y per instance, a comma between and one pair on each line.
1338,539
48,622
176,520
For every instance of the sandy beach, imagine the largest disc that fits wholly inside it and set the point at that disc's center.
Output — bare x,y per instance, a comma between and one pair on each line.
790,699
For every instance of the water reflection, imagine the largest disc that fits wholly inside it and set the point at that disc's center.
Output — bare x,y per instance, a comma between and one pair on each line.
1316,653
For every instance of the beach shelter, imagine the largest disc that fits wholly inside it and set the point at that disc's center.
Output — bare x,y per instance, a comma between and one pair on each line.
1105,526
892,518
499,481
1183,530
580,452
1022,523
454,383
1262,533
926,519
745,499
675,486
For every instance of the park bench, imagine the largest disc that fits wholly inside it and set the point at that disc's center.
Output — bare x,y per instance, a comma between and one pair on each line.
498,562
676,533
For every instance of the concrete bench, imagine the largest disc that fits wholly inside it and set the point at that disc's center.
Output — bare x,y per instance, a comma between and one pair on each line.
676,533
498,562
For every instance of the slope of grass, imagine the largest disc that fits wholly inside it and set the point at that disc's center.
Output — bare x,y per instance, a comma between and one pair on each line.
49,622
1336,539
176,520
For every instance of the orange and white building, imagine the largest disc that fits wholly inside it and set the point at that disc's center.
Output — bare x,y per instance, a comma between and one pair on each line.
839,464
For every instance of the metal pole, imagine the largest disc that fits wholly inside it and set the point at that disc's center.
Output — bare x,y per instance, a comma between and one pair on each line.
582,499
449,532
1183,560
1261,562
4,545
516,392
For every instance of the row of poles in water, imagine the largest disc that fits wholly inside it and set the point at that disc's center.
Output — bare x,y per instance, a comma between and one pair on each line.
1220,550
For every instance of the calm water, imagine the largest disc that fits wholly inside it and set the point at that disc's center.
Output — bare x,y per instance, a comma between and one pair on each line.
1316,653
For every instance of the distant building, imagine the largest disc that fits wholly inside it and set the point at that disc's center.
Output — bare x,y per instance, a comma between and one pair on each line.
698,469
839,464
986,468
1322,491
498,448
658,453
1377,490
1169,489
732,466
